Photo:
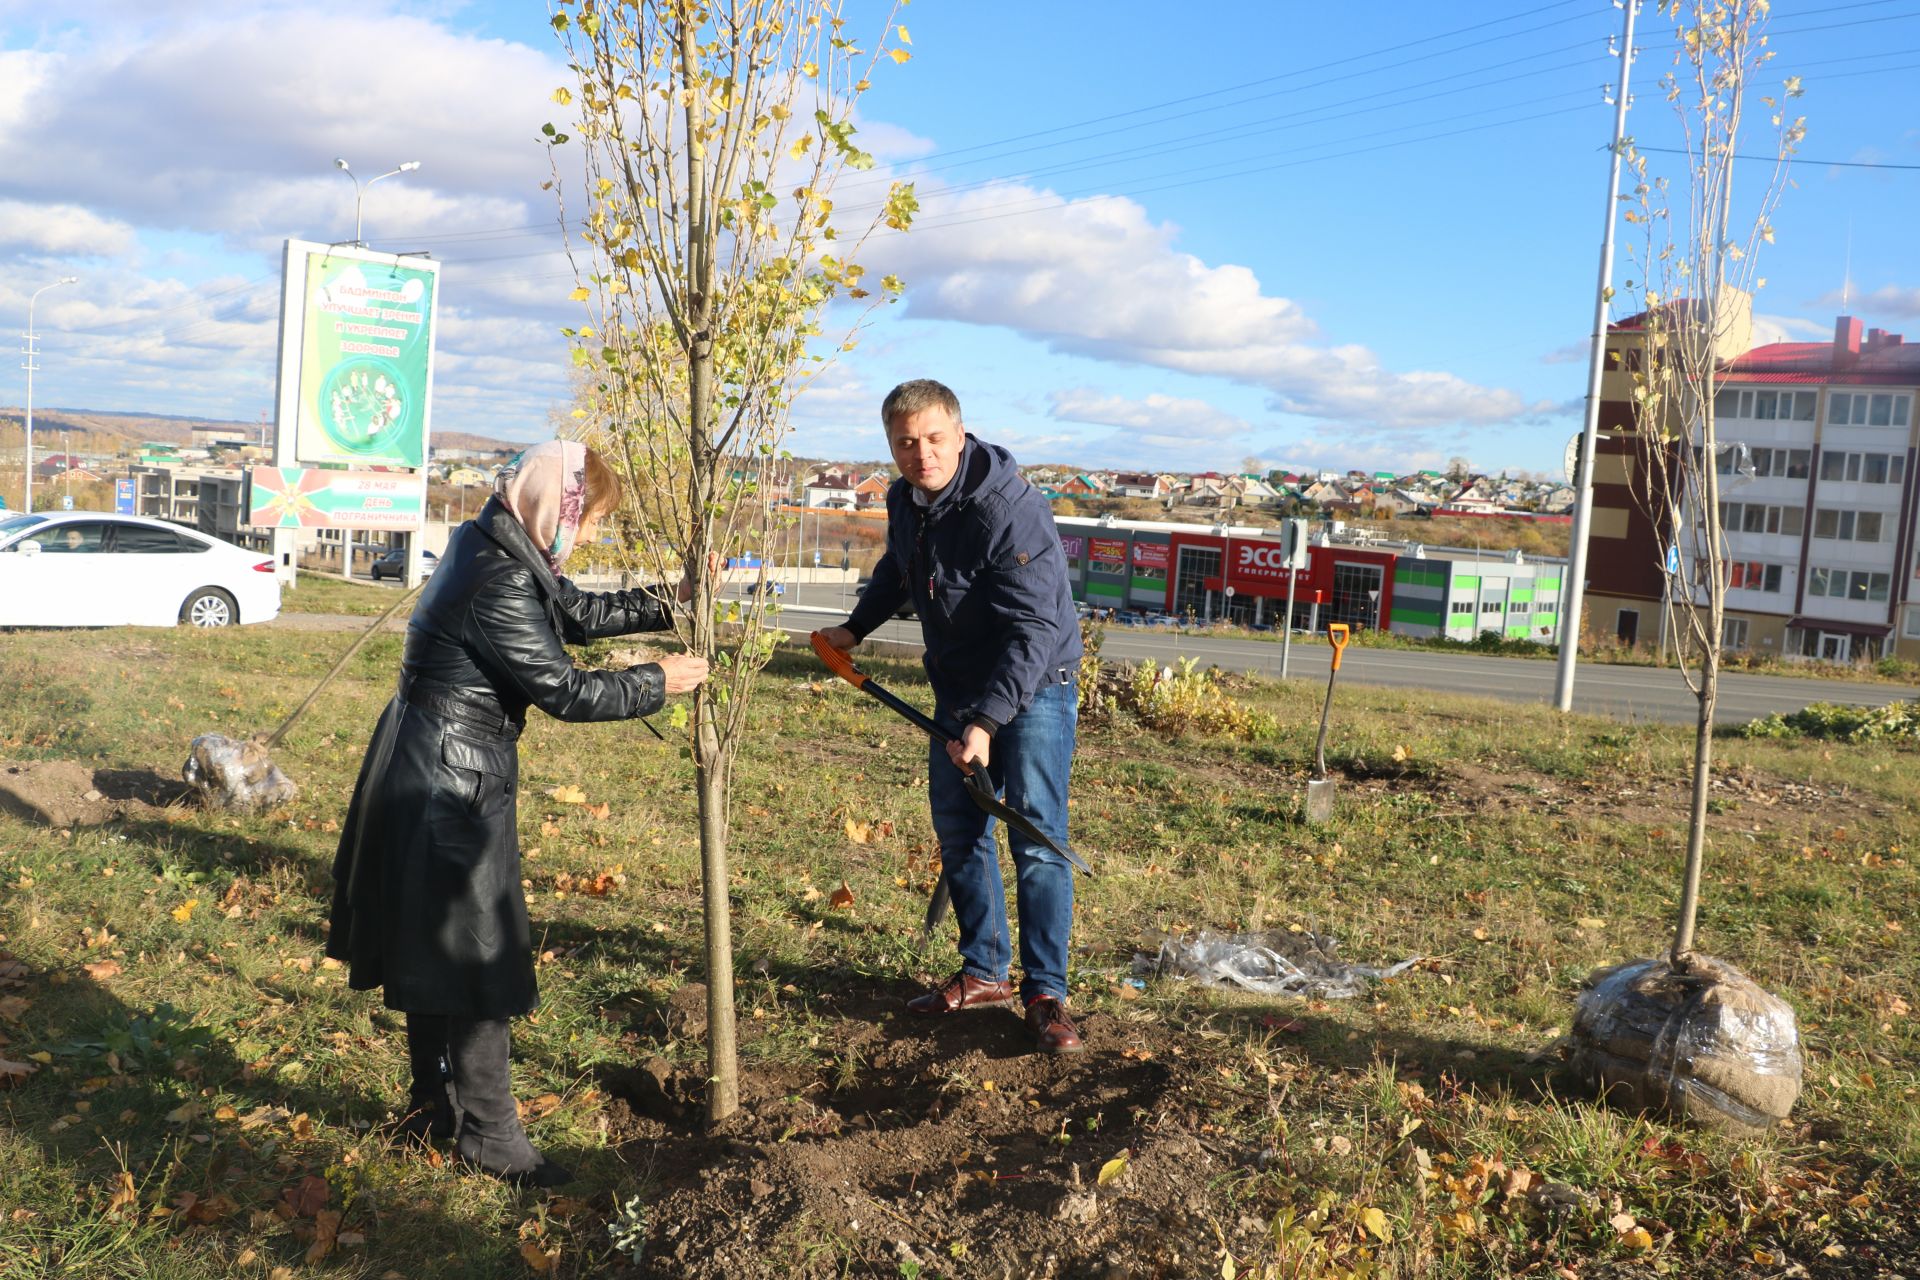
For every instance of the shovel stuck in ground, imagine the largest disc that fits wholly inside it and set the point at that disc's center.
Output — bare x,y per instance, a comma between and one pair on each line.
1320,787
241,775
978,786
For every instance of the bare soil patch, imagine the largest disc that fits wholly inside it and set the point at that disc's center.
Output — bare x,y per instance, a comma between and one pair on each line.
938,1140
66,793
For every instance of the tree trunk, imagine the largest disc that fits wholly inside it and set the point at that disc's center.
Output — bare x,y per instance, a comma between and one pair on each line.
1697,815
709,753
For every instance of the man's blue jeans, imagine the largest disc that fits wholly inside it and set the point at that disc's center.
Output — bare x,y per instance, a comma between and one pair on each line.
1030,760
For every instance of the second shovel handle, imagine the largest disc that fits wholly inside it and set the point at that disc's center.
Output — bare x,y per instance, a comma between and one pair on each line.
1337,633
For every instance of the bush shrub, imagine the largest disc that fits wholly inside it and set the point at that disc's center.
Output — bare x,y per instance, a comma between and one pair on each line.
1896,722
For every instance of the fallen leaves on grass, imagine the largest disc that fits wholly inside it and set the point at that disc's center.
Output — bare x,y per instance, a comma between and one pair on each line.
842,897
184,912
535,1107
567,794
125,1196
307,1197
326,1233
1376,1225
12,1073
101,970
12,1008
593,886
1112,1170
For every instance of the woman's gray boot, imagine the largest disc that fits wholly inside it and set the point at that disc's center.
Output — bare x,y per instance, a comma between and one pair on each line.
429,1114
491,1136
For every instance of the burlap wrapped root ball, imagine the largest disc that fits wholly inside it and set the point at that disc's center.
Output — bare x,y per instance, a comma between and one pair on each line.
1699,1042
236,775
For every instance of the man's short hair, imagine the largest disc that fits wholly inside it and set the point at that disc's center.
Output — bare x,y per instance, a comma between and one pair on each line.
913,397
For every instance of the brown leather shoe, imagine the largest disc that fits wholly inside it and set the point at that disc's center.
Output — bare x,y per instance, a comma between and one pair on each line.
1053,1031
961,991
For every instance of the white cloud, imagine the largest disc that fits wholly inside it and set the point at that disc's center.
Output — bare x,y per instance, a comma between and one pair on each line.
1896,301
1769,329
1172,417
1096,277
61,229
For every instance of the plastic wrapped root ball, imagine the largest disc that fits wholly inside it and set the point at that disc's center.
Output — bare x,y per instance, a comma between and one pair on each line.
236,775
1698,1041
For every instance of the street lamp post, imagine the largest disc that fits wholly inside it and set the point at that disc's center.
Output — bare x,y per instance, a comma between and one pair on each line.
30,366
360,191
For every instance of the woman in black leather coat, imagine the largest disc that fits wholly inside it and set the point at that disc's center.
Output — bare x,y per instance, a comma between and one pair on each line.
427,898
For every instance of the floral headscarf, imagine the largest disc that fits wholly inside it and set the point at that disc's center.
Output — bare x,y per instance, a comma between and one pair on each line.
546,489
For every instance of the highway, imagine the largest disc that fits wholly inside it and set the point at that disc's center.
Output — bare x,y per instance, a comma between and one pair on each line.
1621,692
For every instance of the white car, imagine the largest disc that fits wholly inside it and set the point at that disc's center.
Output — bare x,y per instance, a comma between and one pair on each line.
94,569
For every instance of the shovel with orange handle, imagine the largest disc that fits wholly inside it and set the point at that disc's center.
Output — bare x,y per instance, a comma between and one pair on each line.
1320,787
840,662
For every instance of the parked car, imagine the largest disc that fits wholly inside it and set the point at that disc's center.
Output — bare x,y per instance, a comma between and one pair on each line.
394,565
97,569
765,588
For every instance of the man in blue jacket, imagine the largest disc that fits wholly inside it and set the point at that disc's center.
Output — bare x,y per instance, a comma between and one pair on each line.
973,545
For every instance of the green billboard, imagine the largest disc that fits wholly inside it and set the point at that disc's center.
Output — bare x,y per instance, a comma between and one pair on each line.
365,353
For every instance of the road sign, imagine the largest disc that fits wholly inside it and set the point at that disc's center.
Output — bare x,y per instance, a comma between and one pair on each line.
123,503
66,502
1673,560
1572,459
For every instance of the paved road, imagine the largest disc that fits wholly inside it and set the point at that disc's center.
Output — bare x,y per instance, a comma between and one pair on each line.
1630,693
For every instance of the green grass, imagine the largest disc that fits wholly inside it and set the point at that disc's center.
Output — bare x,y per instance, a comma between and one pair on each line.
218,1061
319,593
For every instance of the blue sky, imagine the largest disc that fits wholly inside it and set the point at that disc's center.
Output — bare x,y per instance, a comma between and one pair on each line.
1317,235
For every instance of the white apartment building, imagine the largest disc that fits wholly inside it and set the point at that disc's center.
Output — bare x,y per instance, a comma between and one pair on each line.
1818,492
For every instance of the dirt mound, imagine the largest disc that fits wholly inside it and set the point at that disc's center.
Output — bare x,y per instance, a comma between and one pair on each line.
938,1143
66,793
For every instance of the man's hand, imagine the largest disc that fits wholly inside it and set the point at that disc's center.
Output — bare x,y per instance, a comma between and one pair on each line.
973,750
839,637
684,672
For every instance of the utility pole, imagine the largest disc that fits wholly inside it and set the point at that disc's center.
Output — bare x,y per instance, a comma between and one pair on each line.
1574,590
31,365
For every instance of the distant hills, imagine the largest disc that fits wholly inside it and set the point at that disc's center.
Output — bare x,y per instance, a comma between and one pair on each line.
99,431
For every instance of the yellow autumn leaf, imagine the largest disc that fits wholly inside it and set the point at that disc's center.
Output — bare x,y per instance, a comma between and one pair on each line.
1376,1224
904,37
898,55
859,832
1110,1171
1639,1239
841,898
184,912
809,69
567,794
1227,1270
580,294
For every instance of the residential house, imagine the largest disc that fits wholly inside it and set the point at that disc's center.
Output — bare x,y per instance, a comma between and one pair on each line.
831,491
872,491
1139,484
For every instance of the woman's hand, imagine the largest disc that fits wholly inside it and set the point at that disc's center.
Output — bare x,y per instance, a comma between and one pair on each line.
685,591
684,672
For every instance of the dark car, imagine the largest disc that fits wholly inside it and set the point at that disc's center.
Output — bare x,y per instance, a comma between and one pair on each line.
394,565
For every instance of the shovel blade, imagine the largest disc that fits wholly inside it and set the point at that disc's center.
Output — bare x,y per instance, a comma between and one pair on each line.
1320,800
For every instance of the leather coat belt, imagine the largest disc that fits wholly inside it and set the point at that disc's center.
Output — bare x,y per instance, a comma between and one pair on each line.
447,702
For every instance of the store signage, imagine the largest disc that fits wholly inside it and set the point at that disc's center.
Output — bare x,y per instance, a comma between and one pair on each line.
1151,555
